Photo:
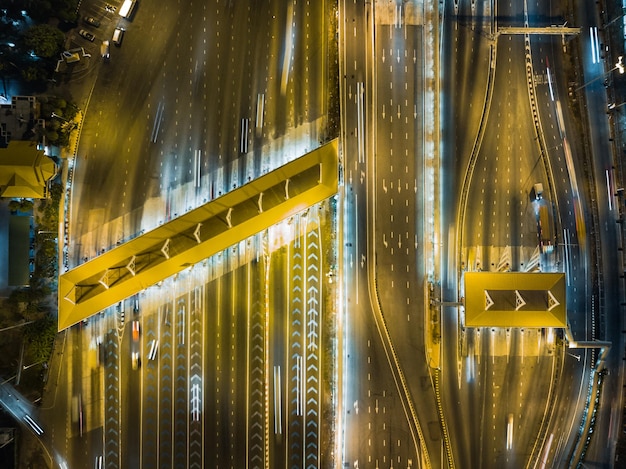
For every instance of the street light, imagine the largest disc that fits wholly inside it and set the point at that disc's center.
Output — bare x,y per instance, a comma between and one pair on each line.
577,357
59,117
66,124
16,325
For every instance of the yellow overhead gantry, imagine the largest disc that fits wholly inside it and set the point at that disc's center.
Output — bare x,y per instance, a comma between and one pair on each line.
515,299
172,247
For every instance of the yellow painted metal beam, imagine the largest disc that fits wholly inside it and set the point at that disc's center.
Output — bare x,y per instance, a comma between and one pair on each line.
172,247
553,30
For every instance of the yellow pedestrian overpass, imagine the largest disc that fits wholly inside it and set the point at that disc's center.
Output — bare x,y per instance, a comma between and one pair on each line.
172,247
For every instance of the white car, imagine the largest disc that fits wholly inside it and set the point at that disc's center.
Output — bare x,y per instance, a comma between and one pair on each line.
86,34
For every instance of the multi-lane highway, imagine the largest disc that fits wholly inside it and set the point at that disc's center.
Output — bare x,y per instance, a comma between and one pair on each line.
383,117
402,202
224,368
232,362
192,105
501,151
232,371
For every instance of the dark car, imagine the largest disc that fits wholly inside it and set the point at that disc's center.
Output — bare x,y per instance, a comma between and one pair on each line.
90,20
87,35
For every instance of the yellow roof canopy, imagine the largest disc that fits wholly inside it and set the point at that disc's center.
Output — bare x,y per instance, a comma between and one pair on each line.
515,299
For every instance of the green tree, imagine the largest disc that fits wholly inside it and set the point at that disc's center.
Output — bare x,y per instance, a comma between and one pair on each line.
52,137
34,72
40,10
26,205
56,191
44,40
33,312
14,205
40,336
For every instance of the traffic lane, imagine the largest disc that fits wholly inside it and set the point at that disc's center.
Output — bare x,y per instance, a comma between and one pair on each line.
107,144
385,435
357,382
130,407
255,378
466,54
533,369
510,13
507,151
464,51
608,235
463,396
610,311
116,105
277,86
150,396
238,371
268,113
399,141
468,71
295,371
180,372
458,403
165,391
516,380
162,83
308,63
402,300
87,431
195,352
230,397
569,184
278,331
291,83
354,30
563,143
220,421
213,373
570,398
466,67
548,10
373,413
359,316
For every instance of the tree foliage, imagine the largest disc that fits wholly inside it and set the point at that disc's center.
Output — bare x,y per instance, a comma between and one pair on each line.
30,52
44,40
40,336
34,72
58,129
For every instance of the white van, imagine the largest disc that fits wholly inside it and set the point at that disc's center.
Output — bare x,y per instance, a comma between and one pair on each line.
118,35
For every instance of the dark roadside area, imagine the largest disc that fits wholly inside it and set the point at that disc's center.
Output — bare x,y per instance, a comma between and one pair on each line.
612,17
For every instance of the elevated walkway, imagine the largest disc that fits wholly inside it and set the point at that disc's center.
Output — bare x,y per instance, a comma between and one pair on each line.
172,247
